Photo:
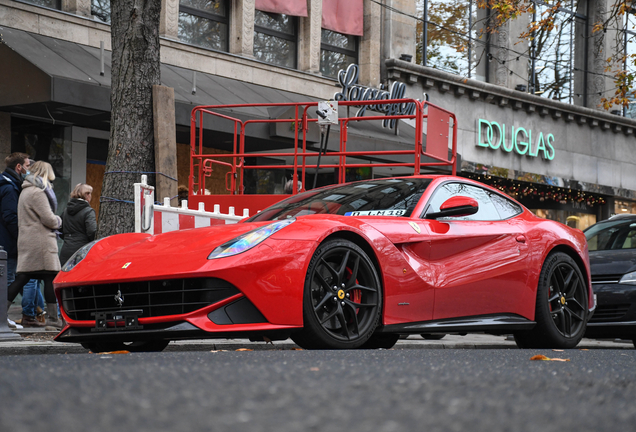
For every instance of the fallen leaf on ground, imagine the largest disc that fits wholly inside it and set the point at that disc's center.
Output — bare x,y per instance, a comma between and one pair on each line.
542,357
584,349
314,369
244,349
115,352
556,350
218,351
296,349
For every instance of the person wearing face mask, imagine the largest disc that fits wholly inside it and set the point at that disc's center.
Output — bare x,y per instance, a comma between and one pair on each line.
17,167
37,243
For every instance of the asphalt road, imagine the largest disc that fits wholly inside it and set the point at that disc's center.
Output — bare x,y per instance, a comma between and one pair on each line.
289,390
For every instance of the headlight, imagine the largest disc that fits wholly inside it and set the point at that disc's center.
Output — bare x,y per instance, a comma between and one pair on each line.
248,240
78,256
629,278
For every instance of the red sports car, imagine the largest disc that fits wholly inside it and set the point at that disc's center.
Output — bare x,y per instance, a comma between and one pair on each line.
344,266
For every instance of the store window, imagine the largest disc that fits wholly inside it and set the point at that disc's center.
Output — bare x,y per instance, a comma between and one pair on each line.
101,10
451,42
49,143
204,23
551,63
337,51
629,42
275,38
624,207
53,4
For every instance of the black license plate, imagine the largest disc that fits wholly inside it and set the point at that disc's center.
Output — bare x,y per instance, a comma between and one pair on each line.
120,320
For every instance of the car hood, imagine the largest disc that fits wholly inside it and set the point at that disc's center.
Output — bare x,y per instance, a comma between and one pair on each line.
612,262
132,256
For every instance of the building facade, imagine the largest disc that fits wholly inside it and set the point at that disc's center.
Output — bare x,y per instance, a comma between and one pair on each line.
528,118
529,114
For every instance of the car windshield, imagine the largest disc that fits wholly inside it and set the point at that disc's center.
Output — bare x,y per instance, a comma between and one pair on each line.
382,197
612,235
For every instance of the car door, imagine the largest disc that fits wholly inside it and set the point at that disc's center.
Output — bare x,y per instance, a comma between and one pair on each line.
476,261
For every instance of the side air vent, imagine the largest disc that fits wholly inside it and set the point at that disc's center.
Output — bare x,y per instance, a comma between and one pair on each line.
241,311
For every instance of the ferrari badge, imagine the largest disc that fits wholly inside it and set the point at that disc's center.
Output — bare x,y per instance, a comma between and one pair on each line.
415,226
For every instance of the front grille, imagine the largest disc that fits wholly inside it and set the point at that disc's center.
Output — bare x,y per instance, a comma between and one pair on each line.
156,298
606,279
609,313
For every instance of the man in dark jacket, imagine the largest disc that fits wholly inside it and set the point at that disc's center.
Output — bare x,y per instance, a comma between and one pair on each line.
10,187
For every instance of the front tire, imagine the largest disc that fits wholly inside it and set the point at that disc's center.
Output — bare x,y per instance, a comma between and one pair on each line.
561,309
342,299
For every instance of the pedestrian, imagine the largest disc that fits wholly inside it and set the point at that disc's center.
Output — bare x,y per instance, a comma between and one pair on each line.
17,167
37,241
182,194
78,221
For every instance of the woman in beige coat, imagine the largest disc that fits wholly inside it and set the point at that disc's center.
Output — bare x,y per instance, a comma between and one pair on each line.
37,244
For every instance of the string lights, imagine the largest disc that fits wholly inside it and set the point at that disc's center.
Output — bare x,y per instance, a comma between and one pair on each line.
520,190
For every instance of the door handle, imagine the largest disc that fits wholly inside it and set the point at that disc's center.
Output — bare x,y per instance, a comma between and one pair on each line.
520,238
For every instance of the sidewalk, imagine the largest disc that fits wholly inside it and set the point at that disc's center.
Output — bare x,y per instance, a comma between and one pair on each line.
42,338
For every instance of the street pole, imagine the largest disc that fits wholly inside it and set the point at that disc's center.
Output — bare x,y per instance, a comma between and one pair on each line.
5,332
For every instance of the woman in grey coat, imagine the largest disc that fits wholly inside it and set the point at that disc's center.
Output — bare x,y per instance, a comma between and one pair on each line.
78,221
37,241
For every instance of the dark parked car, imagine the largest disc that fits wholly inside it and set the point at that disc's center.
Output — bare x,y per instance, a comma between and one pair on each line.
612,249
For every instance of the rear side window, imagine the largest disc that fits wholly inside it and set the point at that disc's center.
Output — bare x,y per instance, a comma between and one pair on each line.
506,208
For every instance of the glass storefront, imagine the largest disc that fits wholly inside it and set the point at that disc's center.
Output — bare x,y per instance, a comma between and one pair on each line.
624,207
50,143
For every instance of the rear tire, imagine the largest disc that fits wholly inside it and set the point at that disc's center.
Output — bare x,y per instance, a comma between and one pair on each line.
342,299
561,310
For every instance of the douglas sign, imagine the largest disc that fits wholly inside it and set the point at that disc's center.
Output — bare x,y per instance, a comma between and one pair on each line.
493,135
352,91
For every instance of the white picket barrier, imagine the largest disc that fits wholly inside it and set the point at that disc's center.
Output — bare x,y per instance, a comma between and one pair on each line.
156,219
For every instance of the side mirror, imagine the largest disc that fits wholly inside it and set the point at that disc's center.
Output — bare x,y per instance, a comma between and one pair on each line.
456,206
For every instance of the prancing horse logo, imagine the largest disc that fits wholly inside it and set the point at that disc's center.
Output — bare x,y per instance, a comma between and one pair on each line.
119,298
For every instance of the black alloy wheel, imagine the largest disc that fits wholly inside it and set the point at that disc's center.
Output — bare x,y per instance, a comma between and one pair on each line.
138,346
342,298
561,310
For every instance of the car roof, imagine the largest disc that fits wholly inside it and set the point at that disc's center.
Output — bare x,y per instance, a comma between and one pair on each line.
623,216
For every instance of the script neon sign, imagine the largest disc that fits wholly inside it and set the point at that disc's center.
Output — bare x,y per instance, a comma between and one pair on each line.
493,135
352,91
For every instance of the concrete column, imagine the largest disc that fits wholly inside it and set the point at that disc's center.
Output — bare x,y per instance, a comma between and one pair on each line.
169,19
310,37
165,142
242,28
601,45
502,42
399,29
5,138
78,7
369,53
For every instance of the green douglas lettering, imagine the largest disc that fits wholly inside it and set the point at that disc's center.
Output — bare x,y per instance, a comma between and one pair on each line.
524,144
488,133
512,141
493,135
540,146
502,132
551,151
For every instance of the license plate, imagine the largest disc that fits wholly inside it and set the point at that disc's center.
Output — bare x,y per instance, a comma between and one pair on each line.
120,320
